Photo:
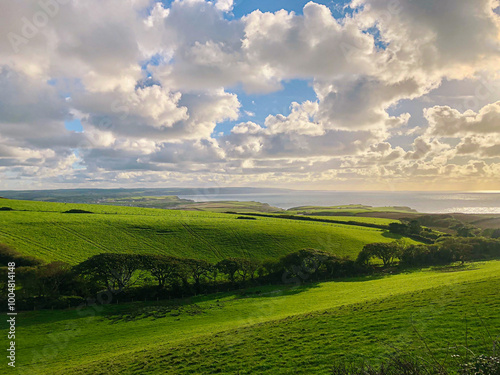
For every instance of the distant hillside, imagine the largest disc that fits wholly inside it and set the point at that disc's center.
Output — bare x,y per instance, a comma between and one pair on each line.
347,210
100,195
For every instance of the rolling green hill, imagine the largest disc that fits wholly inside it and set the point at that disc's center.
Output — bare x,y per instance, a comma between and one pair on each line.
174,202
270,330
350,209
45,231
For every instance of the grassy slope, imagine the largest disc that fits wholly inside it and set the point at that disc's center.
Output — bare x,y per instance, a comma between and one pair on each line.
311,343
230,206
358,219
299,330
351,209
167,201
42,230
174,202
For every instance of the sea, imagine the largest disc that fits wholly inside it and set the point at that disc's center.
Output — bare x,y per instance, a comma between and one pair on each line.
477,202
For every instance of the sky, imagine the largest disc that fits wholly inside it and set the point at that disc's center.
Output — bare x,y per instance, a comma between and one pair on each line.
321,95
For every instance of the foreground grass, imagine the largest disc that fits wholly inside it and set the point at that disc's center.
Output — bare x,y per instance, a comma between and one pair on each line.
43,230
267,330
430,323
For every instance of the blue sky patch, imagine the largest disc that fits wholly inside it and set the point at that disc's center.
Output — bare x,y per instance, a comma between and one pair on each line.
74,125
271,104
244,7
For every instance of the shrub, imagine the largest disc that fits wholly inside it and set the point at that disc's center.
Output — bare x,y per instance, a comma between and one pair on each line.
422,255
77,211
316,265
8,254
67,301
481,365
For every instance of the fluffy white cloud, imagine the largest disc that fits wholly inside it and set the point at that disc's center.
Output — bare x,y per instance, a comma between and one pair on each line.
448,122
32,114
224,5
296,136
479,146
314,44
451,38
362,103
99,43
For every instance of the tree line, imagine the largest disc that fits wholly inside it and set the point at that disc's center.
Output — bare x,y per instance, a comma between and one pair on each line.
444,251
138,276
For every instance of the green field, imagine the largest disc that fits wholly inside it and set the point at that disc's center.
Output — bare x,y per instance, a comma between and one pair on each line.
174,202
350,209
357,219
167,201
43,230
230,206
270,330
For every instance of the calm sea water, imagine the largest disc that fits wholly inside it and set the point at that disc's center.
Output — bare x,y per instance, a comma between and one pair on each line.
430,202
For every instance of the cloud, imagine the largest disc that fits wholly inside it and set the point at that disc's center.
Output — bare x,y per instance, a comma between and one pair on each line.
155,113
314,44
451,38
224,5
24,100
294,136
32,114
479,146
448,122
99,43
261,49
362,103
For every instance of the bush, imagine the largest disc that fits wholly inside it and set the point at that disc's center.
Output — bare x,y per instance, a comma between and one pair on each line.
481,365
8,254
449,250
315,265
77,211
421,255
48,280
65,302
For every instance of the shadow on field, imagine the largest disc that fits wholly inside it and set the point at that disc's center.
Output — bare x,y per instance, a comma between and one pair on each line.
456,268
283,290
197,305
376,276
394,236
154,311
